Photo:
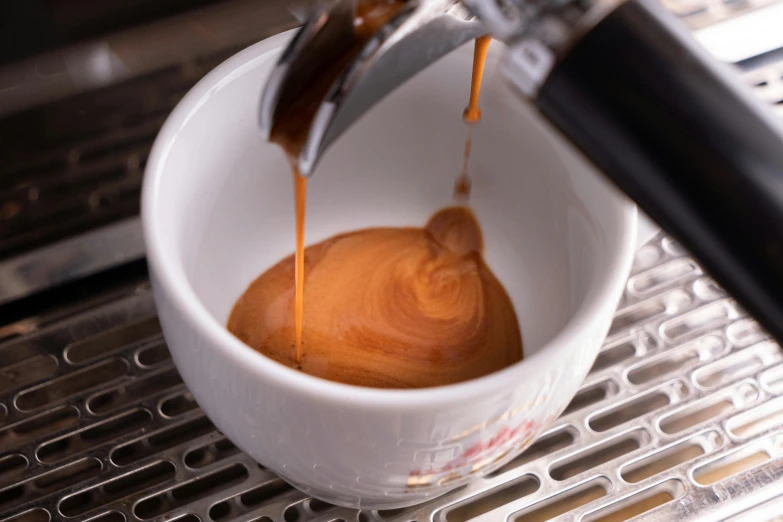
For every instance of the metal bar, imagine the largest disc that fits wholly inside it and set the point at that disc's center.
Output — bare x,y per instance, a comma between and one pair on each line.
71,259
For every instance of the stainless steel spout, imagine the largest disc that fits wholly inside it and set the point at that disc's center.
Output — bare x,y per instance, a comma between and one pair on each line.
367,68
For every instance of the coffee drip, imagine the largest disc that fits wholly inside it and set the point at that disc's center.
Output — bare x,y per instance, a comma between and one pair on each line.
387,307
292,128
472,113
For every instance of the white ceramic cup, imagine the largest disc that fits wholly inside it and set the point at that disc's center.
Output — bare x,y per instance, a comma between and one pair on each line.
218,211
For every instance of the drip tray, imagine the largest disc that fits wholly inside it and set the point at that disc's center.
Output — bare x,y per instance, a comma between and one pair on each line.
680,418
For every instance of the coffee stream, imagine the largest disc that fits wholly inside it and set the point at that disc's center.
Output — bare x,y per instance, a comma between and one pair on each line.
472,114
387,307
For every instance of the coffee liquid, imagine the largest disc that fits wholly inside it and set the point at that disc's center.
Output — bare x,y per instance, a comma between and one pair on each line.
472,113
389,307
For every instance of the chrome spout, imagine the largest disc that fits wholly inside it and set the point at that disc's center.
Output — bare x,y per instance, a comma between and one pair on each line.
359,71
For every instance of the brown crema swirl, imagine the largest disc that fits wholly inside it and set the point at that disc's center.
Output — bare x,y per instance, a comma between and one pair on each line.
388,307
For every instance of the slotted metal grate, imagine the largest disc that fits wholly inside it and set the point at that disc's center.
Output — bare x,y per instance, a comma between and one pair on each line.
79,164
680,417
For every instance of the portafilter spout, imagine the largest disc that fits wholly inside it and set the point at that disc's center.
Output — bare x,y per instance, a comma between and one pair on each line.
347,56
621,80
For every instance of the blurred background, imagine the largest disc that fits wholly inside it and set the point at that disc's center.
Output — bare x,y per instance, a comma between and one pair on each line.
84,87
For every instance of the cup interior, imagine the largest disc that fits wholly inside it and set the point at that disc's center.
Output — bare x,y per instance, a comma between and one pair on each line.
224,201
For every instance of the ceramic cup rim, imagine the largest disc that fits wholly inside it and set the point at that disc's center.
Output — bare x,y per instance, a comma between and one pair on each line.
169,276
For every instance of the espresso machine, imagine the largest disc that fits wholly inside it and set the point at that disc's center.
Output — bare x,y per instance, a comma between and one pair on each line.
622,81
680,103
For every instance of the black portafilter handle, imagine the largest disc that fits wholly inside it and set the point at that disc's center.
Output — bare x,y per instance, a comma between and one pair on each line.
685,138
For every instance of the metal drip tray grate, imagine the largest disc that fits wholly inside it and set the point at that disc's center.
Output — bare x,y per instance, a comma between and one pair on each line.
681,417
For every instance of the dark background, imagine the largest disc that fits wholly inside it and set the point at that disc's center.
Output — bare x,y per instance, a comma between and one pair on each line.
29,27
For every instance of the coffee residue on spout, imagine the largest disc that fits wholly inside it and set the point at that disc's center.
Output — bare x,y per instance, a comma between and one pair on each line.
472,113
292,127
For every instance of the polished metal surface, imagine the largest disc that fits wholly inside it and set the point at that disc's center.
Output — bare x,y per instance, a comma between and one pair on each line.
681,418
77,165
352,75
361,71
70,259
120,56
